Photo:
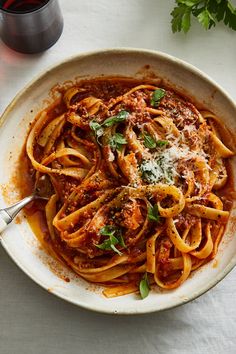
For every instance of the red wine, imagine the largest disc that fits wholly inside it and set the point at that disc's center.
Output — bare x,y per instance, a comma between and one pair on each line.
23,5
30,26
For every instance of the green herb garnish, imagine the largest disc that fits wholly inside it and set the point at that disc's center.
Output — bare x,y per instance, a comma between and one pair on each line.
157,95
207,12
120,117
97,128
114,238
153,213
122,242
108,230
162,143
149,142
117,140
144,286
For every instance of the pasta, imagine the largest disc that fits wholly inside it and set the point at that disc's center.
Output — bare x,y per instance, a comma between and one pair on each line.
138,176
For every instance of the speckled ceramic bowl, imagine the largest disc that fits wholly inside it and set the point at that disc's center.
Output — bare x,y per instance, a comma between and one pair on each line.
20,242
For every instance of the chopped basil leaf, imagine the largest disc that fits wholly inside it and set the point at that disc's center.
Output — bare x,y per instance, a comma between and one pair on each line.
94,125
153,213
112,241
144,286
122,242
149,142
117,140
113,247
120,117
161,143
97,128
106,245
107,230
157,96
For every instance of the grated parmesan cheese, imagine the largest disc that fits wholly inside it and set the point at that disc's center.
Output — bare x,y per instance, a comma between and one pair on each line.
111,156
163,167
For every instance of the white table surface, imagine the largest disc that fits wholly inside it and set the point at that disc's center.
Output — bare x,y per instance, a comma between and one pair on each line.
34,321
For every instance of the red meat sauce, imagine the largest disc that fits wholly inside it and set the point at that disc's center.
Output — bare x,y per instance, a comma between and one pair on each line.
174,105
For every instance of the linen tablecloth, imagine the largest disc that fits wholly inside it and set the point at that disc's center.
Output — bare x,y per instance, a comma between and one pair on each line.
34,321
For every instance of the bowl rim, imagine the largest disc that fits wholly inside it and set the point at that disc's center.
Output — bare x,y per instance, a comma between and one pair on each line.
119,50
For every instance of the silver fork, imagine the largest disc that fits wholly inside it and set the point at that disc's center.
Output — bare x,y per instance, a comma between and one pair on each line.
42,190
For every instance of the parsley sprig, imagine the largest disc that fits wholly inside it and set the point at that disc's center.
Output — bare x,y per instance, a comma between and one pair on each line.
114,238
207,12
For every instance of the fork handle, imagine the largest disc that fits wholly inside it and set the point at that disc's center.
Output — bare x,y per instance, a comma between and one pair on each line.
8,214
3,223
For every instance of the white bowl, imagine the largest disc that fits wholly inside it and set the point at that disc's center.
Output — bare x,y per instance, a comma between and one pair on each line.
20,242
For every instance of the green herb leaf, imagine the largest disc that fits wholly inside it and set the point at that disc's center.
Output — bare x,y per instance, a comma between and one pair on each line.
149,142
186,21
94,125
108,230
204,19
122,242
113,247
120,117
157,95
97,128
161,143
208,12
106,245
230,16
144,286
112,241
188,3
117,140
153,213
178,14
